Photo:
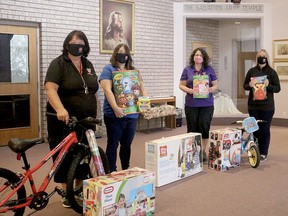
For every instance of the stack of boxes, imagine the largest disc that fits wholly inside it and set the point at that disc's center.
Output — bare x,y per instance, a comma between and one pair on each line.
224,149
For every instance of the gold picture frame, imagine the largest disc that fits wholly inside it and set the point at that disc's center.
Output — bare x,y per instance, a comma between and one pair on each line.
117,16
281,68
280,49
205,45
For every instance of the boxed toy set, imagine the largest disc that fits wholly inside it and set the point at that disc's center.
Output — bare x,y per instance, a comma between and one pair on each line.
129,192
173,158
224,149
127,90
201,86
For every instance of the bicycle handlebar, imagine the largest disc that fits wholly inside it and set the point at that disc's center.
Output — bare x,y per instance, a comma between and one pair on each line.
73,120
240,122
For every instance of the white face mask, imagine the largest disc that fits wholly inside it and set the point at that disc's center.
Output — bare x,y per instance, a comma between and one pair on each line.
198,59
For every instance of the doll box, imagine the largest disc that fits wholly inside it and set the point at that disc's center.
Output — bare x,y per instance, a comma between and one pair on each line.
127,192
174,158
224,149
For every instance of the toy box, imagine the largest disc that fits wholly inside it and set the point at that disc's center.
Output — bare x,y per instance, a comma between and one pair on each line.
173,158
144,104
201,86
224,149
127,89
129,192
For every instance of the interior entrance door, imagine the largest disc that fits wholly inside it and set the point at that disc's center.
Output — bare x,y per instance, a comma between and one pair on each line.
246,60
19,106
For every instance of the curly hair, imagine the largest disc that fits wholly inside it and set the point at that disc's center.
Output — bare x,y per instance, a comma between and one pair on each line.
204,55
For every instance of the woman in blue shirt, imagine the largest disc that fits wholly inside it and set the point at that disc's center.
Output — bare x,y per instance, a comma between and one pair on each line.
120,127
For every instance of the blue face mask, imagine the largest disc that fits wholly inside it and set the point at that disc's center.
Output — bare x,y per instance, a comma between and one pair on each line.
76,49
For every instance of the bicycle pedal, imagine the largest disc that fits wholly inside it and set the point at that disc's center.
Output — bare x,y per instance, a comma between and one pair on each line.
60,191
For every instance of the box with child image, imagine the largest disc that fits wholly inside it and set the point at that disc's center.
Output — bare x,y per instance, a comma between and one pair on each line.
174,158
128,192
224,149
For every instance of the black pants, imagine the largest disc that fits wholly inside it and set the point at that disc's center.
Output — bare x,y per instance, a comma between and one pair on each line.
57,131
199,119
263,134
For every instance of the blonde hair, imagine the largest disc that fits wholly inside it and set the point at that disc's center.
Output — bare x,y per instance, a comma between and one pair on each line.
266,55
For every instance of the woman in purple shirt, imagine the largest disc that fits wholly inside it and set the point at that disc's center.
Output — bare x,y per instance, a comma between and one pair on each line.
199,81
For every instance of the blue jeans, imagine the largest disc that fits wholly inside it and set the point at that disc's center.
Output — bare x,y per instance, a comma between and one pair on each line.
119,130
263,134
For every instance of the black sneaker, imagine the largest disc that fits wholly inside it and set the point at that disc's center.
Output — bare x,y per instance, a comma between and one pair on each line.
263,158
204,157
65,202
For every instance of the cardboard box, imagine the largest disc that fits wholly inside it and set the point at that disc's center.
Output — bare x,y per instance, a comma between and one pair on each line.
173,158
127,89
129,192
224,149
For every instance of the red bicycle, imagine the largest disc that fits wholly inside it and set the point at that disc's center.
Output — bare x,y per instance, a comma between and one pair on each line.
12,184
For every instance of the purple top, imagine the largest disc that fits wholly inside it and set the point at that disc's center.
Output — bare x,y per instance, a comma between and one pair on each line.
187,75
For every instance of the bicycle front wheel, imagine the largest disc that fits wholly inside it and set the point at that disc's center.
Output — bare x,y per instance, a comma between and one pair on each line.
8,180
78,172
254,156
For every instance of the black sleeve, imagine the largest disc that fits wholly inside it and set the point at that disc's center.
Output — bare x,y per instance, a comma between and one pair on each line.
274,83
54,72
247,80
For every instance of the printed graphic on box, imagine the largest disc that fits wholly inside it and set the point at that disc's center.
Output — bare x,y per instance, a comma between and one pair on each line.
129,193
126,86
144,104
224,149
259,88
201,86
174,158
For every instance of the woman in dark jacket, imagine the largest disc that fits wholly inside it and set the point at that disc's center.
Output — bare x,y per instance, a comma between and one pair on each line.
261,105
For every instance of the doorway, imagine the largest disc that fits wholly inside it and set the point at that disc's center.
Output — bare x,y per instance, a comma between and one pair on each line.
19,98
245,61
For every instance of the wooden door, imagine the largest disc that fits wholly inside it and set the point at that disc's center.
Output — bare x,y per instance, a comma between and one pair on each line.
19,105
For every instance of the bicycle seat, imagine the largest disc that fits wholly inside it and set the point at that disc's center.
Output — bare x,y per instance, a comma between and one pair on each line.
21,145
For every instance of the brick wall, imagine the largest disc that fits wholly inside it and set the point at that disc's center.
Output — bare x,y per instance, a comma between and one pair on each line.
205,31
56,18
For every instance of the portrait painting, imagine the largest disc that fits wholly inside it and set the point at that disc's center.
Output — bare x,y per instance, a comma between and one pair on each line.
116,24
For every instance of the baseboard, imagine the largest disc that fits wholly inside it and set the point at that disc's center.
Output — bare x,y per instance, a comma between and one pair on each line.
227,120
280,122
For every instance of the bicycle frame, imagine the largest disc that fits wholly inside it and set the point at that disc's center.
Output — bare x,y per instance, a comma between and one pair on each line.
62,148
245,141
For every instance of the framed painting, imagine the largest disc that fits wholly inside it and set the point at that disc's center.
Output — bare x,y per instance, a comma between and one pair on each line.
206,46
281,68
280,49
117,21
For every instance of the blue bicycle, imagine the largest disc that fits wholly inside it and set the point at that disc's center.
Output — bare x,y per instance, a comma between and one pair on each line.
249,143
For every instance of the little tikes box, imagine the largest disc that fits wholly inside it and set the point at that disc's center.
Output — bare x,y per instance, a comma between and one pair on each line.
173,158
128,192
224,149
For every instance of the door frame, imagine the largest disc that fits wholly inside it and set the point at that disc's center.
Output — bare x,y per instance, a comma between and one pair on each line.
34,130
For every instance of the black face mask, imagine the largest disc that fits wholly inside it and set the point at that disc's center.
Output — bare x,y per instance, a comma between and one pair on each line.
122,57
262,60
76,49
